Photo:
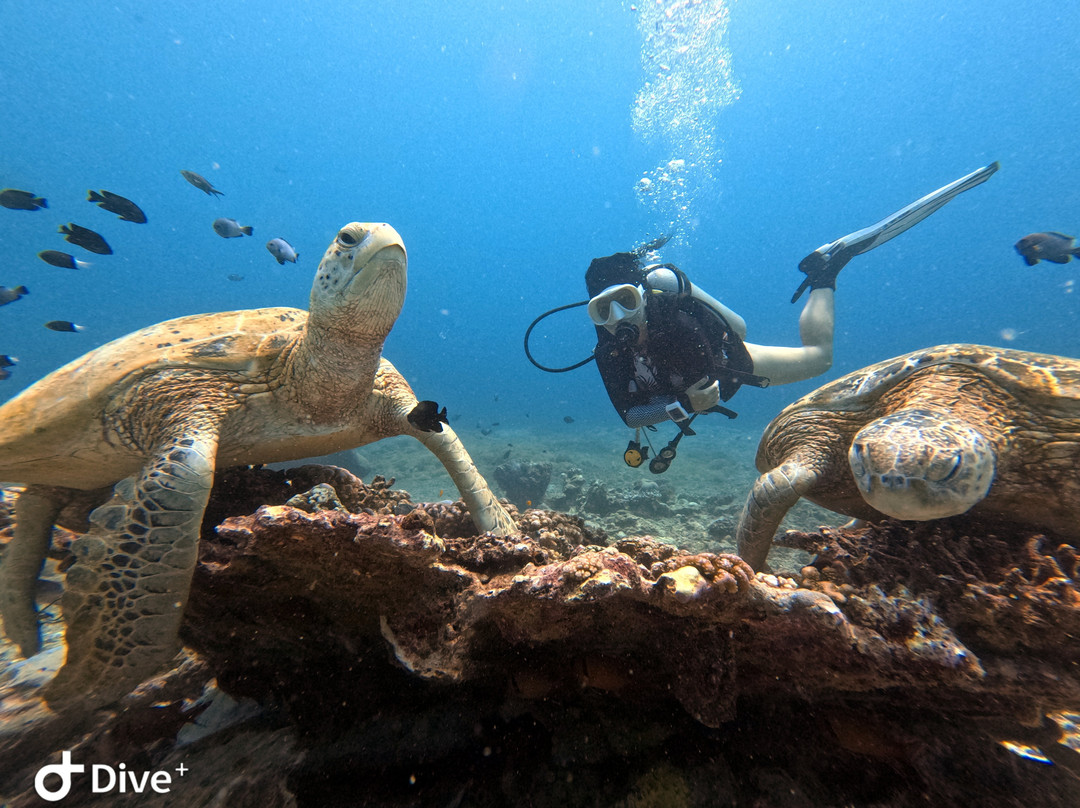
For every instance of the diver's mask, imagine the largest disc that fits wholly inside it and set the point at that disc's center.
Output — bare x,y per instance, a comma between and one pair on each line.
620,310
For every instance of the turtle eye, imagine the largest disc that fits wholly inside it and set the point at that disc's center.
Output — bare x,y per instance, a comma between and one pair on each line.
953,469
347,239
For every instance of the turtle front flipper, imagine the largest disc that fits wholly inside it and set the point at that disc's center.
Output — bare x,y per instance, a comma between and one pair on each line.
35,513
487,514
393,406
773,495
125,595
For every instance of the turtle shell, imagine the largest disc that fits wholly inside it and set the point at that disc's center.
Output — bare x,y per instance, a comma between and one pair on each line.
1042,382
59,419
1029,375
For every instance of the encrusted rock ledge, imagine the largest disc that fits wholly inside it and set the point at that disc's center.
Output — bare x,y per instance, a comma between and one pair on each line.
399,660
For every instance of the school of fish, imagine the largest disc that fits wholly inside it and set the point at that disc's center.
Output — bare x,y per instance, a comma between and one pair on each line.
92,241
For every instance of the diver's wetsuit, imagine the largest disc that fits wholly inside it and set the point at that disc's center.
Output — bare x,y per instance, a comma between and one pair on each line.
686,340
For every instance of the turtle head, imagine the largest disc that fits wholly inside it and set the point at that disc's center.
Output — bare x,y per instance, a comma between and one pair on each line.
918,464
360,283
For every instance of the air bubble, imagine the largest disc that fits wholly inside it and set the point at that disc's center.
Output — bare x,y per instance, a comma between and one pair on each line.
689,81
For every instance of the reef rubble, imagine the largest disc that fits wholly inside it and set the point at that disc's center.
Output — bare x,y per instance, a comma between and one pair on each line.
373,651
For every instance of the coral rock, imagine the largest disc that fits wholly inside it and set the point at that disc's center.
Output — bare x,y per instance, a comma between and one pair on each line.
524,483
400,651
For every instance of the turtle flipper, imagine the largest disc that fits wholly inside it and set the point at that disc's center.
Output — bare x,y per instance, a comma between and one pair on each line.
487,514
392,402
125,595
772,496
35,513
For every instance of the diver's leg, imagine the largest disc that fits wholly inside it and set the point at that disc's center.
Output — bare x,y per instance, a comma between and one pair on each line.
784,365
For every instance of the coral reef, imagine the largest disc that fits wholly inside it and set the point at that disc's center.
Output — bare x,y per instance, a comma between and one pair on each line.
1006,594
699,518
389,656
523,482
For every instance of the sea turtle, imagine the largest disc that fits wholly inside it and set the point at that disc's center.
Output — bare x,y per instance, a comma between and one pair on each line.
935,433
154,413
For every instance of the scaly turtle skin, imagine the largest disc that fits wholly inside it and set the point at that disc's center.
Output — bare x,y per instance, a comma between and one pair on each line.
935,433
134,430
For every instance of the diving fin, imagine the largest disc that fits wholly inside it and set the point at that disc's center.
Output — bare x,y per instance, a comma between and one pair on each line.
824,263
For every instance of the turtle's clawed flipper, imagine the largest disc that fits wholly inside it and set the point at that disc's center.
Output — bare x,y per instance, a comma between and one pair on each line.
395,407
487,514
126,592
35,513
773,495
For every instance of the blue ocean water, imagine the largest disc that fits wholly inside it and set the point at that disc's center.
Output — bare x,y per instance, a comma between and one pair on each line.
499,139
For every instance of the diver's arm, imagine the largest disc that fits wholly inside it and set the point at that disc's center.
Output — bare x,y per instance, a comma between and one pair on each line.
785,365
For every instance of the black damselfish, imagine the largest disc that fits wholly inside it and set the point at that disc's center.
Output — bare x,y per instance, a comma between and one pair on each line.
121,206
427,417
62,325
62,259
13,199
85,238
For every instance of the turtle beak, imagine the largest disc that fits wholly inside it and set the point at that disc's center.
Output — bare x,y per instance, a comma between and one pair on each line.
365,270
366,242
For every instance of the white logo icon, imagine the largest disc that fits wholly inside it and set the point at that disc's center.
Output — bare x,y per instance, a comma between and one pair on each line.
63,770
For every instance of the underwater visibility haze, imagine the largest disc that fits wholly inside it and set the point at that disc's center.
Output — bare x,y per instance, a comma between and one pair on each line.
509,144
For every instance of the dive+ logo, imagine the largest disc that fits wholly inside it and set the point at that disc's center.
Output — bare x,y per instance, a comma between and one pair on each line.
103,779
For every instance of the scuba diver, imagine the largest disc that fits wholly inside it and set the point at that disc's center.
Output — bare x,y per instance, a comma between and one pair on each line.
668,351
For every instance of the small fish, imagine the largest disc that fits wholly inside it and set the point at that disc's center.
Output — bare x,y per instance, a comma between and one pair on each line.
427,417
11,295
230,228
63,259
114,203
235,277
568,419
201,183
7,361
4,374
85,238
21,200
282,250
1055,247
62,325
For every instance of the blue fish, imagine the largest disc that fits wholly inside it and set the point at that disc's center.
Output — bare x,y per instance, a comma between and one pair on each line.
1055,247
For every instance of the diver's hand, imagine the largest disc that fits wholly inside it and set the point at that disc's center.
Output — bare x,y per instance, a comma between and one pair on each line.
703,395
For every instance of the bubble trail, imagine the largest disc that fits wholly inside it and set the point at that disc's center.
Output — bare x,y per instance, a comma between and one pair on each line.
688,81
